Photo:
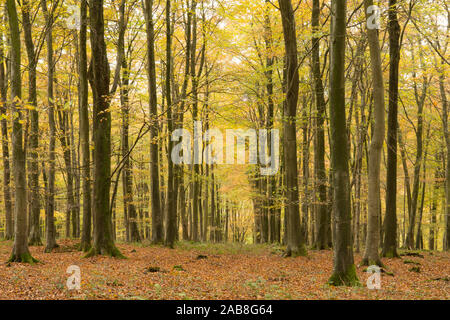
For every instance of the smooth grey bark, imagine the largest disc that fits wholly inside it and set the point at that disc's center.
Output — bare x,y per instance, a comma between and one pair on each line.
33,166
171,206
85,244
371,254
390,220
321,211
344,271
50,212
5,143
157,215
295,238
100,76
20,251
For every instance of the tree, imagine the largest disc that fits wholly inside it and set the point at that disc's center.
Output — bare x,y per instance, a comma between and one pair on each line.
33,167
49,218
85,244
103,235
371,255
5,144
390,219
157,224
344,271
20,252
295,238
321,237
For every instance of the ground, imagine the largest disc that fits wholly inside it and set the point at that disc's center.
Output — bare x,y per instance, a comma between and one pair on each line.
205,271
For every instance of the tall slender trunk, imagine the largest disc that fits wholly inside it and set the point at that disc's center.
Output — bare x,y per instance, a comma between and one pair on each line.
344,271
446,243
50,216
103,237
20,252
295,238
321,237
33,167
5,143
127,177
171,206
84,132
371,255
66,146
390,220
157,215
196,166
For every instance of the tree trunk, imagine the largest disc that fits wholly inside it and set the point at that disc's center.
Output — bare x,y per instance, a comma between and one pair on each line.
127,177
20,252
295,238
344,271
5,144
84,133
442,78
50,213
371,255
157,223
33,167
103,237
171,206
321,237
390,220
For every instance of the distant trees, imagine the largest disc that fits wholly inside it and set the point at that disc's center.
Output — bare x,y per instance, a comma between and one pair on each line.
179,64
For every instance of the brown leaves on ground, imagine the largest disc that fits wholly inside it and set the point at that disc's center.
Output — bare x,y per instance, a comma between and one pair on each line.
238,273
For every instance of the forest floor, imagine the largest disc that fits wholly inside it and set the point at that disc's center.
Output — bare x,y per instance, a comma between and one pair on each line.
207,271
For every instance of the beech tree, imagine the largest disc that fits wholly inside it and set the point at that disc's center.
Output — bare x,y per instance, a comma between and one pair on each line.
295,238
20,252
344,271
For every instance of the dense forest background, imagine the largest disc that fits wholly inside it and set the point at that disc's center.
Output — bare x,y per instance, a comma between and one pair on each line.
91,92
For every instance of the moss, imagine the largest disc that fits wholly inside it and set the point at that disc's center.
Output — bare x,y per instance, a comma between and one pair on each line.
49,249
390,253
299,251
110,251
84,247
367,262
23,258
349,278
